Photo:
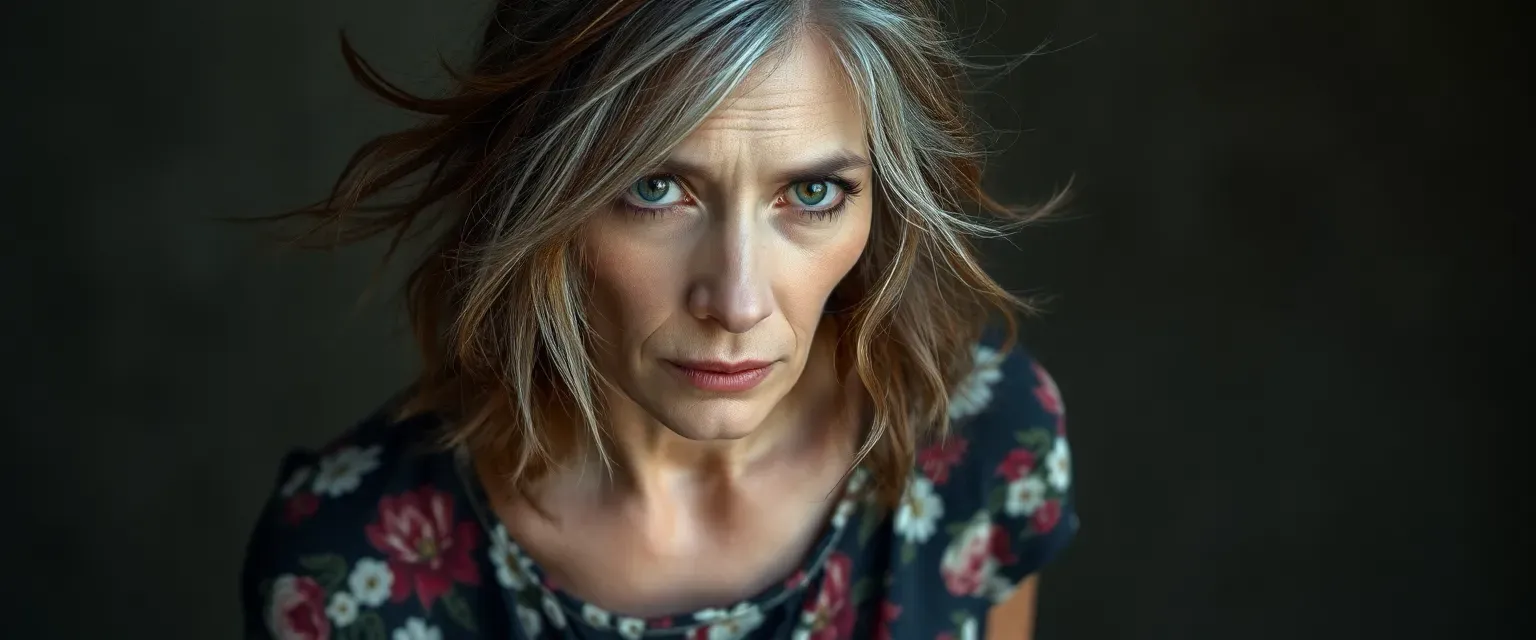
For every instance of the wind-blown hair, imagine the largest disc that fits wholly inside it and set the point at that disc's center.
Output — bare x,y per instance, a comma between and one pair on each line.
570,101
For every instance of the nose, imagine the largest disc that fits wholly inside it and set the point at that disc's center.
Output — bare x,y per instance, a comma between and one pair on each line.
734,287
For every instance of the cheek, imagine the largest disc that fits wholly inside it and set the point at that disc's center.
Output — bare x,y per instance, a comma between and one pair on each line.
822,267
629,285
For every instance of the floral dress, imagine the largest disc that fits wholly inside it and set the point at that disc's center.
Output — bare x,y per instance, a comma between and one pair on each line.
380,536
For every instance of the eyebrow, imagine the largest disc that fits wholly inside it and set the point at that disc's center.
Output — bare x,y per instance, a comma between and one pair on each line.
841,160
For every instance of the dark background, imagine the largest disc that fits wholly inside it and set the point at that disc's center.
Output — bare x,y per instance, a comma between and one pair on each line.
1284,309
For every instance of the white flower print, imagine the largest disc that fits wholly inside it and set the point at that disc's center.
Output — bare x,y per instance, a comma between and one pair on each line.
731,625
631,628
533,623
341,472
920,510
999,588
968,630
296,481
857,481
511,565
371,581
969,563
296,604
852,495
552,611
342,610
1025,495
595,616
844,510
1059,461
418,629
975,392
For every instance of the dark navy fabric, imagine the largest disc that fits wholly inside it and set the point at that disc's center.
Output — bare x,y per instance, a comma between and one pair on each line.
382,535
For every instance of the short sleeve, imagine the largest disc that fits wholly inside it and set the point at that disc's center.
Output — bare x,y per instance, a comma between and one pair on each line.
268,550
370,533
1002,479
1032,481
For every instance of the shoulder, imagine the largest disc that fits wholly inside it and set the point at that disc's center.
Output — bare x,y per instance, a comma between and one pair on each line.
334,540
1006,385
341,482
998,488
1007,418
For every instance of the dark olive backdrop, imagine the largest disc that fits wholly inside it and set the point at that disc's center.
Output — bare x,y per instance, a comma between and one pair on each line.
1283,312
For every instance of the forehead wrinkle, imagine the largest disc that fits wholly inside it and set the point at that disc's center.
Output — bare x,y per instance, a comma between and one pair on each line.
798,101
804,84
788,110
766,127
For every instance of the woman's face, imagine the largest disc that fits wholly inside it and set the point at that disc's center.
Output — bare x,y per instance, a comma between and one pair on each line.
710,276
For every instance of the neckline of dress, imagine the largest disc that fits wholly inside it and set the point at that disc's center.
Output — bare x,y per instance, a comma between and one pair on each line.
509,556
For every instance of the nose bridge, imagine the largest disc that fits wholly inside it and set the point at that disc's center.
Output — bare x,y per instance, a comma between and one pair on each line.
734,287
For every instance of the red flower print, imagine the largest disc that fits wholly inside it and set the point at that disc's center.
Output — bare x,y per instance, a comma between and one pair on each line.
296,609
428,552
1000,548
1047,516
795,580
938,458
1049,396
299,507
888,613
944,636
830,614
1017,465
968,563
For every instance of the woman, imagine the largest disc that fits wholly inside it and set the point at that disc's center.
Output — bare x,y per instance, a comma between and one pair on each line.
705,349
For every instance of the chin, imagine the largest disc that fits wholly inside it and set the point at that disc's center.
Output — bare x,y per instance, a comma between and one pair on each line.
709,433
701,423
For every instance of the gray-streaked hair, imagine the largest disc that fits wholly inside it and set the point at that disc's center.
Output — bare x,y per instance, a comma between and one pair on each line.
567,104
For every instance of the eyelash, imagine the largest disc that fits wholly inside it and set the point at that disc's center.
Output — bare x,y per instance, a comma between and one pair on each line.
849,188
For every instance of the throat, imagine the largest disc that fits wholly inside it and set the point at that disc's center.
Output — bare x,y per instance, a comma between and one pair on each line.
680,542
680,553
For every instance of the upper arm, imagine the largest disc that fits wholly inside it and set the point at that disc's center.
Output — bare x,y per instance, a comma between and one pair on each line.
1014,617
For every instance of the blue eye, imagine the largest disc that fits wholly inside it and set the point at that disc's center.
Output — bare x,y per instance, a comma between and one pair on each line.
815,194
655,192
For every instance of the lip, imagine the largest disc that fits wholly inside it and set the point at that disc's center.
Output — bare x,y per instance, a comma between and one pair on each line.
723,376
718,366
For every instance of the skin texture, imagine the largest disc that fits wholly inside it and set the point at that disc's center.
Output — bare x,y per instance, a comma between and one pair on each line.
716,495
1014,619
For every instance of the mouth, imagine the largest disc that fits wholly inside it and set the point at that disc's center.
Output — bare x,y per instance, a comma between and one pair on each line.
717,366
720,376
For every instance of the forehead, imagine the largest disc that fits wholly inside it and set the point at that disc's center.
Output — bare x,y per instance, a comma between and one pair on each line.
802,93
